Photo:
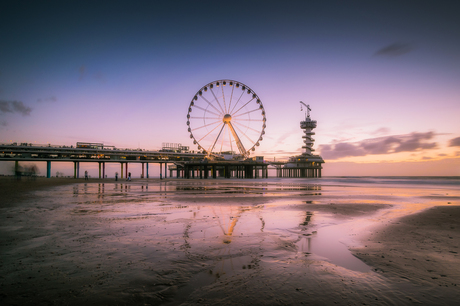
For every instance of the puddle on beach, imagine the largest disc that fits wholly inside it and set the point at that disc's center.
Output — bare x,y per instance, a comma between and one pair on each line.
306,233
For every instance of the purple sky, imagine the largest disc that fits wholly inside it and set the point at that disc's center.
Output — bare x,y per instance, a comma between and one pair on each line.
382,78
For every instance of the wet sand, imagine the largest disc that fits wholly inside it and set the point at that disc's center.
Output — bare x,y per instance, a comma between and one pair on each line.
208,242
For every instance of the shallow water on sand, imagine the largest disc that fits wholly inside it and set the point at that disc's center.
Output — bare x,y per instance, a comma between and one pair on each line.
276,241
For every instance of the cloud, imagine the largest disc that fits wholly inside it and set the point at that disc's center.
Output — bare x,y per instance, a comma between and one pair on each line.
381,131
455,142
381,145
395,49
14,107
3,123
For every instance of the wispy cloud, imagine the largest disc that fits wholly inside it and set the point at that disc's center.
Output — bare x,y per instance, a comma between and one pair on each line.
14,107
455,142
381,145
49,99
381,131
395,49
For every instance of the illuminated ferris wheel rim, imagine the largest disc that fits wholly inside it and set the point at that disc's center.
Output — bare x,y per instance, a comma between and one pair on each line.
228,117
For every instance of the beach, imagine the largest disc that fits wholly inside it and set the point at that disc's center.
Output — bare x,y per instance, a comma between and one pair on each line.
344,241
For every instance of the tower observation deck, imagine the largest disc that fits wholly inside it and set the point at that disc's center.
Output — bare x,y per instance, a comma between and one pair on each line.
307,164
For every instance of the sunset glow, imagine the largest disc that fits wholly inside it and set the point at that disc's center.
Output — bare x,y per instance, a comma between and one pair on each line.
382,79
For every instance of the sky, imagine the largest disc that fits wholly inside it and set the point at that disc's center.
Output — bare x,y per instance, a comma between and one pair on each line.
382,77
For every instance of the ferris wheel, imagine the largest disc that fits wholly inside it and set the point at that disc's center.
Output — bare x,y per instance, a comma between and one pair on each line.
226,117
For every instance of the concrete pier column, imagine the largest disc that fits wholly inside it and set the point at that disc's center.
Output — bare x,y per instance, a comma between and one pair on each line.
142,175
126,172
100,169
161,171
147,170
76,169
48,168
103,170
121,169
166,170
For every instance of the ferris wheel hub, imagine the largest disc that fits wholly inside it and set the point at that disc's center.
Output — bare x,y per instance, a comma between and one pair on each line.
227,118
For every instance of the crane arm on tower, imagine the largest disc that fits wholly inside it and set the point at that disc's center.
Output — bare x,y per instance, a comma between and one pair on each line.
308,108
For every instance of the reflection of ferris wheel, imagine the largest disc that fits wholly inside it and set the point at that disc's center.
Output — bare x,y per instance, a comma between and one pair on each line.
225,117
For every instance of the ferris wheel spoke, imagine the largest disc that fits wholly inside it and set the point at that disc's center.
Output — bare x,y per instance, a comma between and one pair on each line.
244,134
212,123
217,138
243,106
205,118
230,139
231,98
210,104
241,119
237,102
222,143
209,132
246,126
223,98
218,103
246,113
205,110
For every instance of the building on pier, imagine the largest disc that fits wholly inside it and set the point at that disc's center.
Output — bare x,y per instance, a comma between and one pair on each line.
307,164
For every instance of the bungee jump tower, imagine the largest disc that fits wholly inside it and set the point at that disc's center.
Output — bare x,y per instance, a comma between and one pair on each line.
307,164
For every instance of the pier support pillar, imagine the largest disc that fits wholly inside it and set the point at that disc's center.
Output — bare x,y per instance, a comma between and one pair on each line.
142,175
166,170
16,167
147,170
76,169
100,169
48,169
121,170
